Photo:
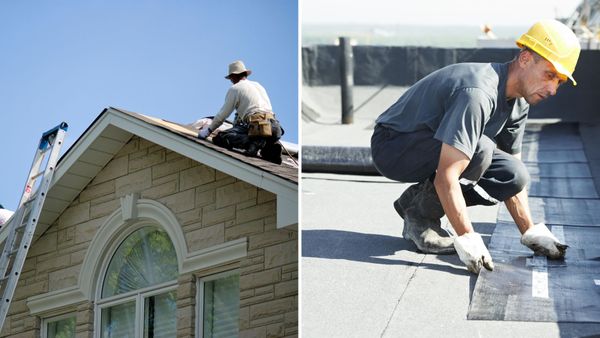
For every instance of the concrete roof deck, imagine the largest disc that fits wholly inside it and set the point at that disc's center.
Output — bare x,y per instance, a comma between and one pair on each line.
360,278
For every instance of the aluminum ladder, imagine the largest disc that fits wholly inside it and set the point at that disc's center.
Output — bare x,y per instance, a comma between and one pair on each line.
22,224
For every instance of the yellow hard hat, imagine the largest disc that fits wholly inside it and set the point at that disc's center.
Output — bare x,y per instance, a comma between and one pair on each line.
556,43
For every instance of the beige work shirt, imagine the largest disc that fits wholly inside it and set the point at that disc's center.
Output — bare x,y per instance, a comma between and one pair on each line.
246,97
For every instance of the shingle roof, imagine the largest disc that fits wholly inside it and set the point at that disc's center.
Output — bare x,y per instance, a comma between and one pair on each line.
286,170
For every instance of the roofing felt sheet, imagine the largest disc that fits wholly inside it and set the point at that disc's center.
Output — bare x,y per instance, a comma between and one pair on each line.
559,169
583,242
562,187
524,287
515,289
584,212
511,292
555,156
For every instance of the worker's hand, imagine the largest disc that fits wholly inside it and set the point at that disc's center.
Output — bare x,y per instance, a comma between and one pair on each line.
539,239
472,252
204,132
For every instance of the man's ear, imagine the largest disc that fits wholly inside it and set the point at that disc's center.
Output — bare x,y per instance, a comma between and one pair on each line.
525,58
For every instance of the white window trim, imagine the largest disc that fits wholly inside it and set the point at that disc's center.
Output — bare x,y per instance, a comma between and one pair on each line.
142,209
200,297
46,321
138,295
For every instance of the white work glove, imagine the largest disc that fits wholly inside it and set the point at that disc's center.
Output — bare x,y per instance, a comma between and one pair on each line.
204,132
539,239
472,252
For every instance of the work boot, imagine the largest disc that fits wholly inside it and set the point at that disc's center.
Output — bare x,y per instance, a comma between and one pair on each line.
421,210
272,153
254,146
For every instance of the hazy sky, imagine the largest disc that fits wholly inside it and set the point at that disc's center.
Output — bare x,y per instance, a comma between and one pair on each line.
66,60
434,12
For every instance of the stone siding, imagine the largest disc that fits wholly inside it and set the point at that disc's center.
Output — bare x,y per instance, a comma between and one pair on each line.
212,207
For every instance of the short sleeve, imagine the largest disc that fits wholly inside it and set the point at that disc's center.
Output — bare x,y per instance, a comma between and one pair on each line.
466,113
510,138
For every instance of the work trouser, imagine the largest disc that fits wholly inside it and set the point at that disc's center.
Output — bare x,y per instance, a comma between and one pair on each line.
237,137
492,175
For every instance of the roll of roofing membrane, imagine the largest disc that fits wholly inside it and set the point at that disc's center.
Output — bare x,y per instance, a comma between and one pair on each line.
338,160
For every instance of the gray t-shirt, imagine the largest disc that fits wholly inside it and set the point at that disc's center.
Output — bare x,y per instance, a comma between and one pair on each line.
460,103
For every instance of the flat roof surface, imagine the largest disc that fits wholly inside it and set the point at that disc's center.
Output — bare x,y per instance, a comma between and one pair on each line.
360,278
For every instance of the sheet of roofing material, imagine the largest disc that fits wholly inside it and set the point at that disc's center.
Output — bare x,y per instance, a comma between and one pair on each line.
568,142
508,292
584,212
556,156
515,290
583,243
524,287
562,187
550,170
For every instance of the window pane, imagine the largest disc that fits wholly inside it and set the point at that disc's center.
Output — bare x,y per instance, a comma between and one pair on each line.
64,328
221,307
119,321
145,258
160,312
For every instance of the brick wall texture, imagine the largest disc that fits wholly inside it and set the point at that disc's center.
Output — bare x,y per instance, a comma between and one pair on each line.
212,208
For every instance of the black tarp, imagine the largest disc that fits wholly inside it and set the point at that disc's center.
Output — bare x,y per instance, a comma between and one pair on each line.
404,65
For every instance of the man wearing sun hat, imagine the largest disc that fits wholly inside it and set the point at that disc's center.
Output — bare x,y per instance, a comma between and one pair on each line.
458,132
252,104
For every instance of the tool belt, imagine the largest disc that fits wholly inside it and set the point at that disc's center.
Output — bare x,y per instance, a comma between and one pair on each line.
259,124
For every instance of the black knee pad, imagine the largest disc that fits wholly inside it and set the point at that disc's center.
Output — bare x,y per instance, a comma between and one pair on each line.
221,140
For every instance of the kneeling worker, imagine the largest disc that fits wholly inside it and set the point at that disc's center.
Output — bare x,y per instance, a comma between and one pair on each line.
459,131
255,127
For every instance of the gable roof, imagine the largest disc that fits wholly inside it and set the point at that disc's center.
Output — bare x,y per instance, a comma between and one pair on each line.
113,128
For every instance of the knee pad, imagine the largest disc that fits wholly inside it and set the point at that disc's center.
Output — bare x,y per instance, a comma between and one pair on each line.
221,140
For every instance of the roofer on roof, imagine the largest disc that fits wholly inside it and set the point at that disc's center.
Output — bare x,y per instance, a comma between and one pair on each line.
255,127
459,131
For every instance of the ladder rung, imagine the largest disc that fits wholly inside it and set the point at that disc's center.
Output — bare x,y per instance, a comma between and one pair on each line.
31,199
37,175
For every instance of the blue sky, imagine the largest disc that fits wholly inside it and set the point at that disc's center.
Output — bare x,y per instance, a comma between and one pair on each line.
67,60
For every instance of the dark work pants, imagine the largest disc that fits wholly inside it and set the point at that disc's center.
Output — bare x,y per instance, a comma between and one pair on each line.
237,137
492,176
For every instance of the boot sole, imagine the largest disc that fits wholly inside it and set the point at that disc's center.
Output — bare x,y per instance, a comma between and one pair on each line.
399,208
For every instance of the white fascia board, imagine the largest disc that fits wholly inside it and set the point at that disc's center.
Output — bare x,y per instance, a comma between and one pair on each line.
84,142
287,211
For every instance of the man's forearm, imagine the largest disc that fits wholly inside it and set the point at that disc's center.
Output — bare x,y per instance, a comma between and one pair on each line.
518,207
454,204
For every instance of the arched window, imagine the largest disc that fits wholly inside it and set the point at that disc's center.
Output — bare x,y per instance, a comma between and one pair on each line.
138,296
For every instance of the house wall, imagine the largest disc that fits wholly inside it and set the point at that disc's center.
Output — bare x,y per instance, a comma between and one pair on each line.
211,207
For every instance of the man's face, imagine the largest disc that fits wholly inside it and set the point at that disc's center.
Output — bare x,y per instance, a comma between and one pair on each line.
541,80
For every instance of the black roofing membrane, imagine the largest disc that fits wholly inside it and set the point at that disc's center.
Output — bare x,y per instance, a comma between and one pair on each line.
524,287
